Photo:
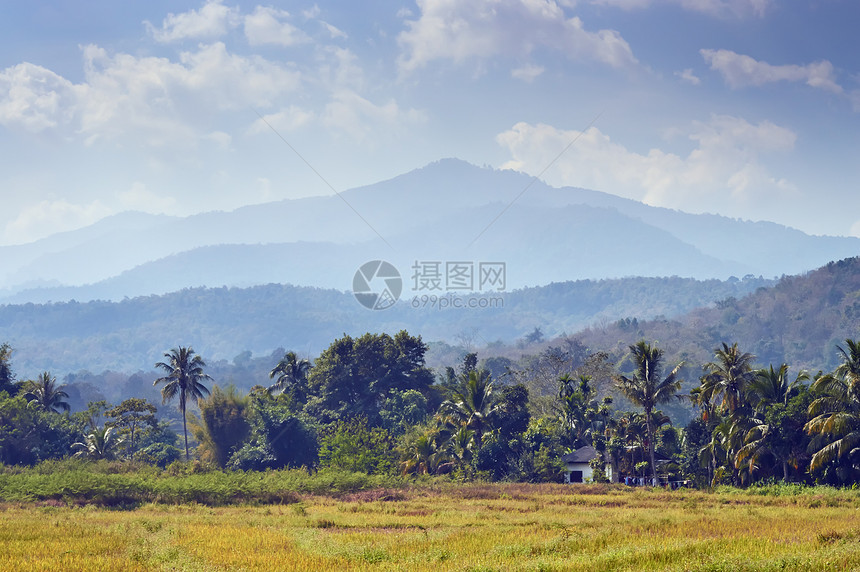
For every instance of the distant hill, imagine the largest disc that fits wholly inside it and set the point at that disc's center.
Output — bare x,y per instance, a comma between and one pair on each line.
221,323
447,211
799,321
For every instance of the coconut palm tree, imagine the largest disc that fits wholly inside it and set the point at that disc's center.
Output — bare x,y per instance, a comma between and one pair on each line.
728,376
646,389
773,386
184,379
291,373
768,390
473,405
45,394
715,455
836,414
98,444
424,455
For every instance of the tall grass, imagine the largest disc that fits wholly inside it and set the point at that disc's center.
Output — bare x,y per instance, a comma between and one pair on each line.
443,526
117,484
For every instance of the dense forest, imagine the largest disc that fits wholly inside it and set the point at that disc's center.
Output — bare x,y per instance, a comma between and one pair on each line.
370,404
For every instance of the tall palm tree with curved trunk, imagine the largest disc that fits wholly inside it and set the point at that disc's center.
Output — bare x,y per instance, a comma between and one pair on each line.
45,394
291,373
646,389
184,379
836,414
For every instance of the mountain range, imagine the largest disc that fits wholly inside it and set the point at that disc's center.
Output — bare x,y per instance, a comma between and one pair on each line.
448,211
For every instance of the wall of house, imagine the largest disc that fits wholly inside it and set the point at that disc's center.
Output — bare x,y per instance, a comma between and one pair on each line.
587,473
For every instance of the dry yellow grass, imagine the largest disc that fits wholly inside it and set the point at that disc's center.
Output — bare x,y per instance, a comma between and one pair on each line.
482,527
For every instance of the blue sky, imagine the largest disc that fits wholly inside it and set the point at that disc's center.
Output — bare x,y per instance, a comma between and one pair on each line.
747,108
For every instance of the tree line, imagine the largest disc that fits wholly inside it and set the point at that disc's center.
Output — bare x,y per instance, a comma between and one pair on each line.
370,404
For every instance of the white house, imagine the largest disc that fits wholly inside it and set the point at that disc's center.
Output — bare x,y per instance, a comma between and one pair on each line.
578,468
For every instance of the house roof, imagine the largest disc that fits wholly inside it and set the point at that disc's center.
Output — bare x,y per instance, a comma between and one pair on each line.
581,455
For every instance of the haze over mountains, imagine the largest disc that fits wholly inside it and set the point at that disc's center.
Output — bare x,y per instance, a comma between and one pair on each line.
447,211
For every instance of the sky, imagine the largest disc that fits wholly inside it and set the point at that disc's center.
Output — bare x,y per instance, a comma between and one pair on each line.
746,108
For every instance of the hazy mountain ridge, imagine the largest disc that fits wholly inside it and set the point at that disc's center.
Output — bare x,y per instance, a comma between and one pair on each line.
544,234
548,258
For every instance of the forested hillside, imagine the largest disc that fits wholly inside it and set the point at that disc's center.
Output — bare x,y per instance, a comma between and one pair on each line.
221,322
799,321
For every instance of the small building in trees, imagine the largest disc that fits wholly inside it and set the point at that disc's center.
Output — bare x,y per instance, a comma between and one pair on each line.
578,465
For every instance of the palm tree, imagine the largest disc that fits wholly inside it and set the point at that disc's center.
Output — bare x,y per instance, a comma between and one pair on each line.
184,378
473,405
729,375
758,446
99,444
646,388
44,393
290,373
836,414
460,446
771,386
716,453
424,455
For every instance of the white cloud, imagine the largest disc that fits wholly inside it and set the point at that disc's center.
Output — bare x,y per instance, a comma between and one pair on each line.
220,139
360,118
139,198
51,216
723,173
339,68
527,73
287,119
688,76
482,29
155,101
270,26
34,98
177,103
230,81
741,70
334,32
212,21
311,13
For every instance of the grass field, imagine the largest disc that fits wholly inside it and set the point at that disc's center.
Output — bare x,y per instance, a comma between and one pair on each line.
449,527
